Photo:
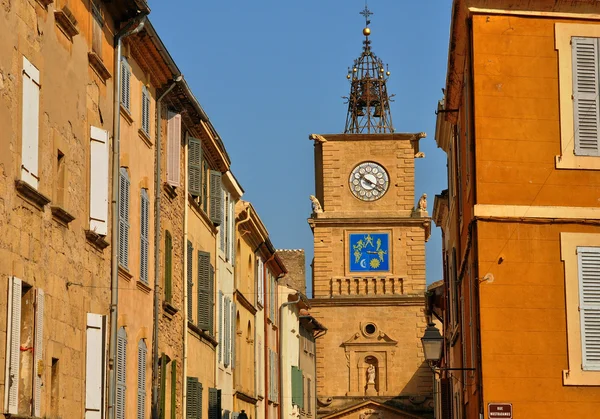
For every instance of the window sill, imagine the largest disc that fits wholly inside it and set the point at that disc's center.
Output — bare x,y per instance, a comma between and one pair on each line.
142,286
65,24
170,190
30,194
200,212
170,309
98,66
45,4
126,115
124,273
202,335
96,239
61,215
145,137
567,161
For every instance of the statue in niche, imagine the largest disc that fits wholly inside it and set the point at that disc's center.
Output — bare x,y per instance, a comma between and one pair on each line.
371,374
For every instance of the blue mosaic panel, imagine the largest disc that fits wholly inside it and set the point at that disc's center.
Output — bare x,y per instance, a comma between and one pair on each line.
369,252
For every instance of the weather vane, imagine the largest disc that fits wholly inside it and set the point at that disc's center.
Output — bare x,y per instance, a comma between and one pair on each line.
366,13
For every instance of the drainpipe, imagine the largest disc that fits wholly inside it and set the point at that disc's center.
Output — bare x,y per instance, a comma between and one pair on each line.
185,262
281,398
157,195
114,300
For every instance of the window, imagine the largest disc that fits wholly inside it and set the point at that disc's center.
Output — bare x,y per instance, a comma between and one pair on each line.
190,281
205,292
123,218
99,181
578,46
227,337
173,148
121,373
581,255
23,315
144,219
467,121
125,83
168,269
214,403
141,380
95,364
194,398
97,26
221,341
297,387
453,289
30,124
145,110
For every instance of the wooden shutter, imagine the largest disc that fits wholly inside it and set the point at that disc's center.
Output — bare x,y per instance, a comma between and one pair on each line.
233,322
168,270
227,326
446,398
589,306
221,341
309,396
125,83
190,280
216,198
99,181
173,389
163,385
211,301
261,280
141,380
30,124
95,364
195,166
192,405
145,110
585,96
121,373
214,403
123,218
297,387
13,344
204,300
232,231
173,148
144,220
38,352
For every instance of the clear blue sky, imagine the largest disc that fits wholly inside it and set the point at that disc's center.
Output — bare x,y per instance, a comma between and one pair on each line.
270,72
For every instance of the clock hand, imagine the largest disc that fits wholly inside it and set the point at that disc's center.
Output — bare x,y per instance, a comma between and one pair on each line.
374,184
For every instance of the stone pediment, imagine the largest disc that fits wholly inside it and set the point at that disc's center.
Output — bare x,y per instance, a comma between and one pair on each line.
378,338
370,409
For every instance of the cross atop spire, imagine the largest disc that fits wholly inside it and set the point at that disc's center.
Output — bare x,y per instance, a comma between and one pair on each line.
366,13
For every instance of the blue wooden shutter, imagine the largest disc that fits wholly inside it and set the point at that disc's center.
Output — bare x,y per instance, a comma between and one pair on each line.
144,221
195,166
168,268
586,104
297,387
204,290
125,83
123,218
121,373
141,380
589,306
216,198
190,280
145,110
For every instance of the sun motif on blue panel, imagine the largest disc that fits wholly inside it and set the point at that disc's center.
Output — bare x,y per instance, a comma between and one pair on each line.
369,252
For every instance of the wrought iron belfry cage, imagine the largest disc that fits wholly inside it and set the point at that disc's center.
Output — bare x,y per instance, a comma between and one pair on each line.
369,102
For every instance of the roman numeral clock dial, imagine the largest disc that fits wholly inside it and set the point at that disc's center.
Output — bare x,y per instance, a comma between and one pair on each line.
369,181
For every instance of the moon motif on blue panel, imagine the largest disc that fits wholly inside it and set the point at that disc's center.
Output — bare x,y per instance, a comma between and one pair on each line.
369,252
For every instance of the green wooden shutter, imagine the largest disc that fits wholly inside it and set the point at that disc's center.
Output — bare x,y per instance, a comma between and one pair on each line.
123,218
168,267
173,389
144,233
216,198
191,409
204,300
586,105
121,373
141,380
589,306
199,397
195,166
211,300
214,403
190,280
297,387
163,385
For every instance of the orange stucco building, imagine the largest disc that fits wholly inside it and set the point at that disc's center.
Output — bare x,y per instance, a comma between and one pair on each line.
520,220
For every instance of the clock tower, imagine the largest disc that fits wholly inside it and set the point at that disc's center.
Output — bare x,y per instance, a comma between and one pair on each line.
369,258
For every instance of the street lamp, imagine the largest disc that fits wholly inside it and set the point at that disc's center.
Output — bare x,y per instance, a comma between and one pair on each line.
432,343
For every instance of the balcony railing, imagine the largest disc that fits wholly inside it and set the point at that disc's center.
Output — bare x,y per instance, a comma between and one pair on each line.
366,286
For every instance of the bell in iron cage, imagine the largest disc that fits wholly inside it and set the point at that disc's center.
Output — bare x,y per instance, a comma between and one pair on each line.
378,113
360,111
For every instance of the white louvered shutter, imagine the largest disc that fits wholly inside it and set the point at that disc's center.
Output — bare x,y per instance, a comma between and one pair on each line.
204,268
38,348
221,340
190,280
13,343
216,198
261,281
123,218
121,373
145,110
141,380
586,104
125,83
95,362
233,334
144,233
227,344
195,166
211,300
173,148
30,124
589,306
232,231
99,181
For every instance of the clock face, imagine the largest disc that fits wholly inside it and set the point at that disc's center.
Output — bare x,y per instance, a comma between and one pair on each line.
369,181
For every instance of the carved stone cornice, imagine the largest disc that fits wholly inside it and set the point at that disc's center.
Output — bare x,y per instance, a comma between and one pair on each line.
404,300
244,302
31,194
